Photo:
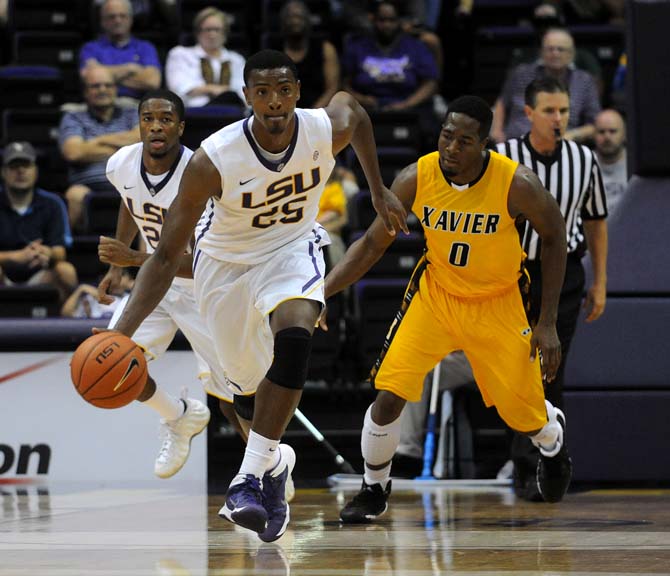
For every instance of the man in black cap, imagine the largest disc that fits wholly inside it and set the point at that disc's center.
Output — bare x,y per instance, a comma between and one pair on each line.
34,229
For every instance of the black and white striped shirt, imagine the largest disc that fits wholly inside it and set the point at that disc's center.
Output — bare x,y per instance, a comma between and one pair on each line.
572,176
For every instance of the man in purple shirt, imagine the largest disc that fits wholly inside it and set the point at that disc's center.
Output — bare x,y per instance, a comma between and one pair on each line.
389,70
133,63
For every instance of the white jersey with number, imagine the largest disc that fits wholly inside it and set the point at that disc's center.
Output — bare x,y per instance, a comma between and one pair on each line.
148,204
265,205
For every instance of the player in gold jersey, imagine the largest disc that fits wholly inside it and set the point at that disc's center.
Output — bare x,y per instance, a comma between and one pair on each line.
464,295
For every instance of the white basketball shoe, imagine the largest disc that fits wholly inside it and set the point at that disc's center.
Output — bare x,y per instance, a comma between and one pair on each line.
177,435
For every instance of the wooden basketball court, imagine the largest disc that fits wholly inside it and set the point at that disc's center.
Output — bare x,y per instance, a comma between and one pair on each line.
174,531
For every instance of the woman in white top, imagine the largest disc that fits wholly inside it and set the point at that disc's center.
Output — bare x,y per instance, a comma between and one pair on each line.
207,73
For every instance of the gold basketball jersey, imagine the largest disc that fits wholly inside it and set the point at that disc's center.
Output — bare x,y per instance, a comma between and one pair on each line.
473,245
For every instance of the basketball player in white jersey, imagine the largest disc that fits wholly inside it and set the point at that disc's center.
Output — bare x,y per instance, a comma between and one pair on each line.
258,264
147,176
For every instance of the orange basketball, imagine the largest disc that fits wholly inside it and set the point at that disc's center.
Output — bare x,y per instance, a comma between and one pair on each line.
108,370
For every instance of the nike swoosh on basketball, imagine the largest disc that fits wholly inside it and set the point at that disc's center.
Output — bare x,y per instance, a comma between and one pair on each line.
243,182
133,364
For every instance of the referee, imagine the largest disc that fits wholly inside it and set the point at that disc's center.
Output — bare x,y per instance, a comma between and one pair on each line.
571,174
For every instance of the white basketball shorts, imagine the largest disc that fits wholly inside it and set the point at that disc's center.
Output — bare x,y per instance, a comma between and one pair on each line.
236,300
178,310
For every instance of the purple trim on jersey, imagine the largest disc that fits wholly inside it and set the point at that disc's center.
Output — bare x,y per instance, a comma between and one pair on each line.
274,166
316,268
195,261
317,239
153,190
209,223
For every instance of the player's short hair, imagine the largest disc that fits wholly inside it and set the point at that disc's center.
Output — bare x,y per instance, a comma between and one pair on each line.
477,109
161,94
543,84
268,60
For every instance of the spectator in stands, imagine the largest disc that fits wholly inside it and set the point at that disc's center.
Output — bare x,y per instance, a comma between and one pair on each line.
34,231
610,140
391,70
546,16
87,138
133,63
333,210
207,73
594,11
83,302
315,58
556,61
154,14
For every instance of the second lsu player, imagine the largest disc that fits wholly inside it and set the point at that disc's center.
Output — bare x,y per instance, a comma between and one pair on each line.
147,176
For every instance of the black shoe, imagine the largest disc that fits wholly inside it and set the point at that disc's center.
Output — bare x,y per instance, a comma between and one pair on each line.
524,482
554,474
368,505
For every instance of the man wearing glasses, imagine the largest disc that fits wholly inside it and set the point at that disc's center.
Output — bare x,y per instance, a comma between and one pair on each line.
556,60
87,138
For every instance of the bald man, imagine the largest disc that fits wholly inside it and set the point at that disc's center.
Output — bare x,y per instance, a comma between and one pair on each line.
610,140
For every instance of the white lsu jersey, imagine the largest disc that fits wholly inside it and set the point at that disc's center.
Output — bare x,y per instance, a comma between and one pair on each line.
147,203
265,205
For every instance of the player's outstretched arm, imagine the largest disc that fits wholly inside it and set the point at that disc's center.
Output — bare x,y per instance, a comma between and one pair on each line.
200,181
528,199
370,247
352,125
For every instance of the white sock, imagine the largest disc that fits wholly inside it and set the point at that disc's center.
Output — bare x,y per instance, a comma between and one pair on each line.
258,456
378,445
169,407
380,476
550,439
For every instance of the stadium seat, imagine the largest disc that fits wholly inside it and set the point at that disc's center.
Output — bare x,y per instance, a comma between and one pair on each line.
496,47
400,257
57,49
63,48
202,122
49,15
324,361
375,305
30,86
102,210
37,126
397,130
362,213
83,254
391,162
28,301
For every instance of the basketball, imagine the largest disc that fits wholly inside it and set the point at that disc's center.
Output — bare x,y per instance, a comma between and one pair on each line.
108,370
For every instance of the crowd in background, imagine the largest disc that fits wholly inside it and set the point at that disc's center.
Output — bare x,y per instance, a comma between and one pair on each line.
394,57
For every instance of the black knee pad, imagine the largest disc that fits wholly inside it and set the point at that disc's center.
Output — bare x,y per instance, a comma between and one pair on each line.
289,367
244,406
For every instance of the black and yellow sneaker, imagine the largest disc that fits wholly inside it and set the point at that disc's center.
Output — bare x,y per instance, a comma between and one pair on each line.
554,473
368,505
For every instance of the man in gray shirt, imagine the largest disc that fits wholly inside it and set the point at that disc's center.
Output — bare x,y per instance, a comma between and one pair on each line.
87,138
610,140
